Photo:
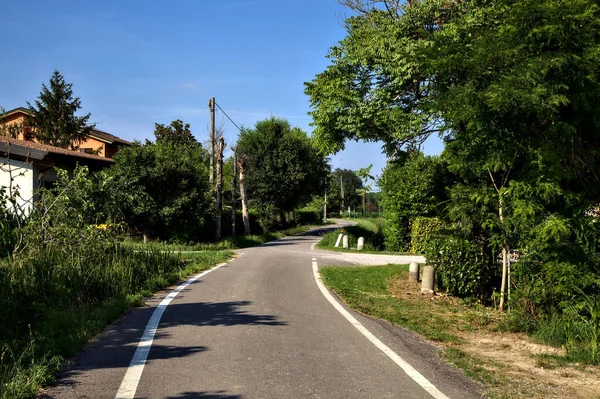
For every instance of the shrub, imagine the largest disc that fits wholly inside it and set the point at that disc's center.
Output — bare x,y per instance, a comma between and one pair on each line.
463,268
423,229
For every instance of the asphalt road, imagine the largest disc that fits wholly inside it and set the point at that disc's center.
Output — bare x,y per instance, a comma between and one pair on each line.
259,327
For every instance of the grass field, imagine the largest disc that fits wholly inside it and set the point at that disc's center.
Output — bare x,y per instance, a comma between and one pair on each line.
469,335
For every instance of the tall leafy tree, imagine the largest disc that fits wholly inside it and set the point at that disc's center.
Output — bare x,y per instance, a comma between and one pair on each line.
283,168
53,116
378,86
177,133
162,189
343,182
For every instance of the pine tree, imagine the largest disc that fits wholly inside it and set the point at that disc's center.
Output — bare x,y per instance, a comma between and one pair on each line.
53,117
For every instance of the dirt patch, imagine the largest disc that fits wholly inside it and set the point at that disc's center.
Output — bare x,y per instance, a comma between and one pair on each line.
531,364
527,369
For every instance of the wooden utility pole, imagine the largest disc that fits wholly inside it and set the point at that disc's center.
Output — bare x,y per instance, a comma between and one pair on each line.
325,207
342,195
233,185
219,194
211,105
245,216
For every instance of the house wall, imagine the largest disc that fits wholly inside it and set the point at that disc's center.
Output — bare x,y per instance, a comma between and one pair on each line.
18,119
94,144
23,180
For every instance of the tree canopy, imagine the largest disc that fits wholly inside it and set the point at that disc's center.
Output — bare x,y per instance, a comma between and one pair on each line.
53,116
177,133
283,168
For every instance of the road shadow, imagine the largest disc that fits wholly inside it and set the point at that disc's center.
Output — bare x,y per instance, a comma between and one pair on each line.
216,314
205,395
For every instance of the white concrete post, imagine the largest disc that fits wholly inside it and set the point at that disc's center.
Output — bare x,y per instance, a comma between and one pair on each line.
339,239
361,243
345,241
427,280
413,272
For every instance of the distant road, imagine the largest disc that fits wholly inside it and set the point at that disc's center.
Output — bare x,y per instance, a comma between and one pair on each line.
260,327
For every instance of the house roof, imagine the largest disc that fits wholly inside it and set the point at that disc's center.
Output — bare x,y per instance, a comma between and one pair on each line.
109,138
39,151
96,133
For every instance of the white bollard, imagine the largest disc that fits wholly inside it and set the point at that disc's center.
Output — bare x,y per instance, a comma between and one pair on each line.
361,243
345,242
339,239
427,280
413,272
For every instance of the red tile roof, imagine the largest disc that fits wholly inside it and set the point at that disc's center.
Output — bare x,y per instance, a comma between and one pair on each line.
53,150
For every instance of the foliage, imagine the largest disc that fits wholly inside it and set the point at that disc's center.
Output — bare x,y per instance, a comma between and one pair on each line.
377,86
283,169
350,182
162,189
422,230
370,229
53,118
411,186
177,133
463,268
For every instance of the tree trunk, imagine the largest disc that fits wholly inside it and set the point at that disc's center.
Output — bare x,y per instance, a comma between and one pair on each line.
219,193
245,216
504,255
233,185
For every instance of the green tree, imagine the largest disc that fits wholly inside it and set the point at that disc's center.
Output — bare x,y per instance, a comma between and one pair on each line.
283,169
162,189
413,185
177,133
378,86
346,182
53,117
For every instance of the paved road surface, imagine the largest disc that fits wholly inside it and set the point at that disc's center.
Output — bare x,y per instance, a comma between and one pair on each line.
259,327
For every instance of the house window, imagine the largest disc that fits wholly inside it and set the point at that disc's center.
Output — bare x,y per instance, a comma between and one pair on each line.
87,150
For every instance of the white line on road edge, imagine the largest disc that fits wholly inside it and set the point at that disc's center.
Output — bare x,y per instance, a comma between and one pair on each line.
312,247
408,369
134,372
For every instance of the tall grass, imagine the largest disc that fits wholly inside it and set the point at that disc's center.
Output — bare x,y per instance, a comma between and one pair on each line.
51,303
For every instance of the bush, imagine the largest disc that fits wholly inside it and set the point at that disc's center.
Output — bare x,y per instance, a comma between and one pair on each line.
463,268
422,230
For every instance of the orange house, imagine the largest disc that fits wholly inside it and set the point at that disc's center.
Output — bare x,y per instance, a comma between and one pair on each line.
98,142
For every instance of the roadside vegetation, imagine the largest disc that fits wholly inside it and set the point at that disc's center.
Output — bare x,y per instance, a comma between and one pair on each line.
75,255
369,228
472,336
508,212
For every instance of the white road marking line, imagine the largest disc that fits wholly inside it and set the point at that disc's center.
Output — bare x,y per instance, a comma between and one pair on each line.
134,371
312,247
408,369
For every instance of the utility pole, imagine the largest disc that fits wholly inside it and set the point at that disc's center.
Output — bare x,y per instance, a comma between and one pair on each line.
211,105
219,194
233,185
342,193
325,207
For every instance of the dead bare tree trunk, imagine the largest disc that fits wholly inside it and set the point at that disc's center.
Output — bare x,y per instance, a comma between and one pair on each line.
211,104
219,193
501,193
233,185
245,216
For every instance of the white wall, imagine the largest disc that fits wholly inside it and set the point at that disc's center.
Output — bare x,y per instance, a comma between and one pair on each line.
23,179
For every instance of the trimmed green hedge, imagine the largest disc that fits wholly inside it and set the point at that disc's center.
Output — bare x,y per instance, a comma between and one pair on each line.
422,230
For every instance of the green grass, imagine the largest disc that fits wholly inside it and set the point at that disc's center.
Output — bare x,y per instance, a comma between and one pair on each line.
381,291
366,290
237,242
51,306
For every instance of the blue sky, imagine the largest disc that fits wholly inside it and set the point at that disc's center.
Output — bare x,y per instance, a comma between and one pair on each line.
135,63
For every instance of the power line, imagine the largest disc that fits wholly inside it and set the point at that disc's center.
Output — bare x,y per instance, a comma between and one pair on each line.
225,113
